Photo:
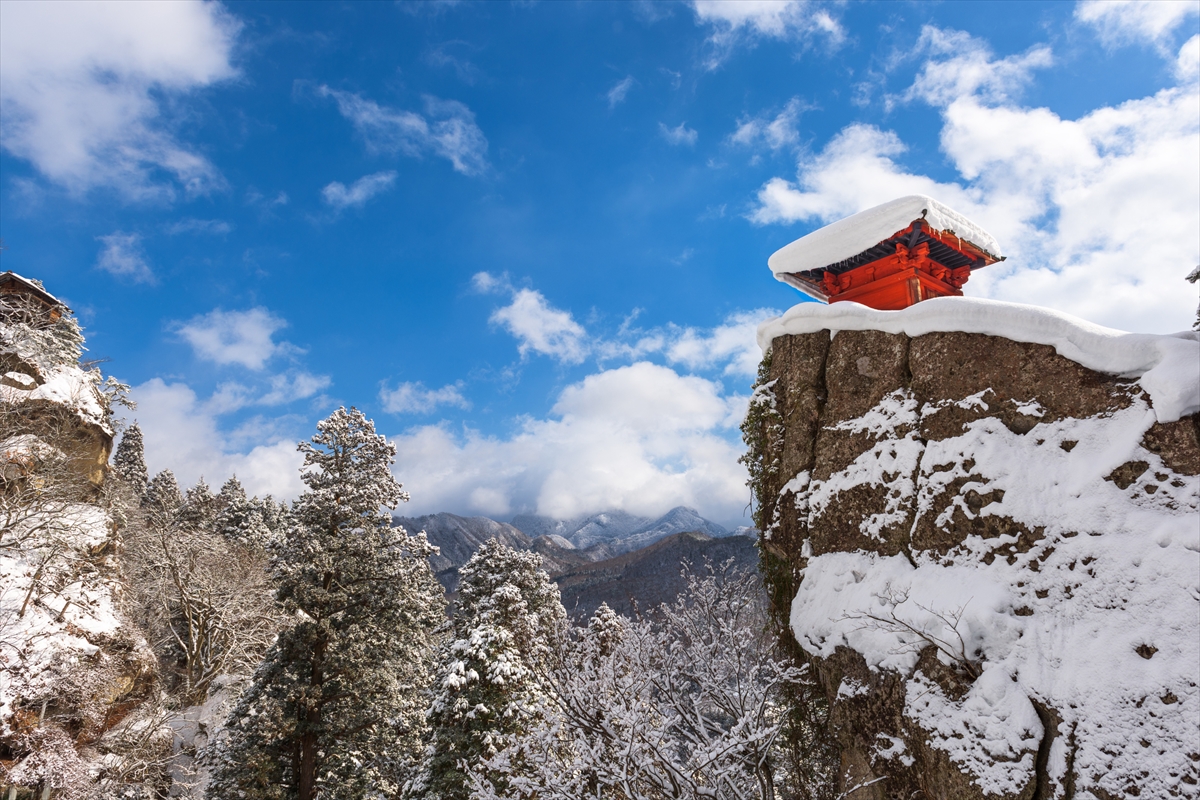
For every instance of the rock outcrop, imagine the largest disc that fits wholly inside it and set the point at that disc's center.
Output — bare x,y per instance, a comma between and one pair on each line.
996,546
79,684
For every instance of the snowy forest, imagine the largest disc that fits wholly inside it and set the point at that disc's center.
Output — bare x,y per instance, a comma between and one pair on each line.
167,641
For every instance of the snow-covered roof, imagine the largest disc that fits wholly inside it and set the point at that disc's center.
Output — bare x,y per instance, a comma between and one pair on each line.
1166,366
11,278
849,237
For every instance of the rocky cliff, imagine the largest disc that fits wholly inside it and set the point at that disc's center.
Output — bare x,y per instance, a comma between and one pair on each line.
986,516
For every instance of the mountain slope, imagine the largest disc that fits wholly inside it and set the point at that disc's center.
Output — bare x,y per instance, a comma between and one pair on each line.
650,576
458,538
621,531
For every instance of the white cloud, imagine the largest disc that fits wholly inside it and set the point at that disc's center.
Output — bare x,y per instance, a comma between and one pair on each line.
80,83
182,434
856,170
616,95
681,134
440,56
733,344
215,227
272,390
414,398
339,197
1122,21
776,133
1097,214
1187,63
122,256
537,325
542,328
447,129
640,437
730,347
487,283
962,65
734,21
291,386
235,337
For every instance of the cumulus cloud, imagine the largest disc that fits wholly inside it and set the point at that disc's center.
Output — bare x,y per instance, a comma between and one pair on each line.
82,85
414,398
183,434
616,95
1124,21
122,256
775,132
639,437
339,197
542,328
731,346
537,326
447,129
235,337
680,134
1187,63
1096,214
189,434
736,21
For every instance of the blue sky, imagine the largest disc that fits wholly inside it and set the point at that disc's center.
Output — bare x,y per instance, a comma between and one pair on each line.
530,239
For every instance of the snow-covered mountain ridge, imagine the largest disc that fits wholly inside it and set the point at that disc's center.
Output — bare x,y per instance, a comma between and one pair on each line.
992,509
563,544
620,530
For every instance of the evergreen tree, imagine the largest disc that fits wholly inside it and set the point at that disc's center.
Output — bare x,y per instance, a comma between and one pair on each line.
275,516
335,710
200,507
490,683
241,519
162,493
129,462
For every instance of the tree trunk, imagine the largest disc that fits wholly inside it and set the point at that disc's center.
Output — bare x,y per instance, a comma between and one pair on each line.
308,735
308,764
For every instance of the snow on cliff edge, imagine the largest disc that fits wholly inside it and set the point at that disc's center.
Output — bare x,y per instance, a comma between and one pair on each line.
1166,366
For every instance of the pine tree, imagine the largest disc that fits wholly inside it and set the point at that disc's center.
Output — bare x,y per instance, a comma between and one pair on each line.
162,493
490,682
200,507
335,710
241,519
277,517
130,460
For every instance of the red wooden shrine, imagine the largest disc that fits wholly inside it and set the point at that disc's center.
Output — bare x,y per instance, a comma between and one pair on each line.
911,265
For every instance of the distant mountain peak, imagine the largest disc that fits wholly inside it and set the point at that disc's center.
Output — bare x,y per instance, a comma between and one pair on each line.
619,529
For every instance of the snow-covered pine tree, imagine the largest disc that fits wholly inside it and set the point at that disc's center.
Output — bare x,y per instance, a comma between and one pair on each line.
491,675
162,493
200,507
276,516
336,709
129,462
241,519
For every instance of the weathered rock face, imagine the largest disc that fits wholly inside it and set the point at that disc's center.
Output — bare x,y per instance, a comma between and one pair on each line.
997,553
